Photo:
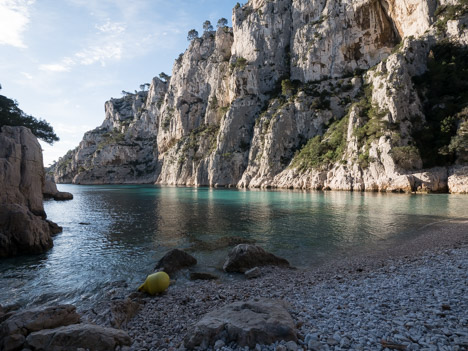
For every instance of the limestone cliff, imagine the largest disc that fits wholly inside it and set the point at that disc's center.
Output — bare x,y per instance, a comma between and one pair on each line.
23,224
299,94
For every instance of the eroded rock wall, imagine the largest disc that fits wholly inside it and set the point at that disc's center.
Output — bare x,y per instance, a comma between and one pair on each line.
23,225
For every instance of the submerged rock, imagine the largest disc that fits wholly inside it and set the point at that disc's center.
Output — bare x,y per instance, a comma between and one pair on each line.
84,336
175,260
261,321
244,257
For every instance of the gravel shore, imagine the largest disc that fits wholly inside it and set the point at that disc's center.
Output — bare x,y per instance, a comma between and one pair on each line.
410,295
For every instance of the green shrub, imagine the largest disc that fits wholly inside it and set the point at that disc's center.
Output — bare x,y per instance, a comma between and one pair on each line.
446,13
240,63
111,138
286,87
406,157
323,150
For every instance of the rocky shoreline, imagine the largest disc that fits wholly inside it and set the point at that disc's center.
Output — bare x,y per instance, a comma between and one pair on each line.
409,297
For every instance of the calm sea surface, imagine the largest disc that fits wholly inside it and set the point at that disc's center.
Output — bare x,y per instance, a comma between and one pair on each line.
117,233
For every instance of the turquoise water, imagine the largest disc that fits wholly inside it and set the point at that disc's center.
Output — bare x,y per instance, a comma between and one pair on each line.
117,233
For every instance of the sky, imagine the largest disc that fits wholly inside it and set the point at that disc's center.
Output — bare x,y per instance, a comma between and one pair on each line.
62,59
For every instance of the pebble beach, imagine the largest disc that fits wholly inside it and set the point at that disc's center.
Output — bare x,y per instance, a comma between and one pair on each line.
409,296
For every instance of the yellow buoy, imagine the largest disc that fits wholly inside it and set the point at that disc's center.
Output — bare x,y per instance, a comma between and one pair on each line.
155,283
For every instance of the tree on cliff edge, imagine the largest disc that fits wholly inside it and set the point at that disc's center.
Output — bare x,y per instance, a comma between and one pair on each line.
192,34
207,27
222,22
12,115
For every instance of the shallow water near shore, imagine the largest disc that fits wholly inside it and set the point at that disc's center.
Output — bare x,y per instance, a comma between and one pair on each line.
116,233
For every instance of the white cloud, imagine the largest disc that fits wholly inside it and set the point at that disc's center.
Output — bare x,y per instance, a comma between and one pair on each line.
112,27
55,67
107,45
14,19
100,54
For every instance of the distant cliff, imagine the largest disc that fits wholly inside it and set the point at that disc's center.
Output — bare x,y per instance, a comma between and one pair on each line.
348,95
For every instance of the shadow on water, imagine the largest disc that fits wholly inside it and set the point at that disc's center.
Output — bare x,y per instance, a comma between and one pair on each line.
128,228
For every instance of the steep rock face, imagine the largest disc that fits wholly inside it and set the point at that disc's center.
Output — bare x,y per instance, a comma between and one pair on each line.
122,149
23,227
302,94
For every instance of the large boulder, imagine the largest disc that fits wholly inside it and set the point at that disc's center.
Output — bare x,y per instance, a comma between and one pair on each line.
17,326
261,321
28,321
78,336
244,257
23,225
175,260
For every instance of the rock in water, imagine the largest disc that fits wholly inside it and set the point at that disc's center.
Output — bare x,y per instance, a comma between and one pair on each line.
261,321
22,232
54,228
85,336
244,257
50,191
175,260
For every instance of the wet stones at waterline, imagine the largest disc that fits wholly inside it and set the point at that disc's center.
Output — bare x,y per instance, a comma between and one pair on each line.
245,257
174,261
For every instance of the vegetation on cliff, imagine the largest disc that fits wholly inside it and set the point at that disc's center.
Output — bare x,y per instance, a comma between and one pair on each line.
444,92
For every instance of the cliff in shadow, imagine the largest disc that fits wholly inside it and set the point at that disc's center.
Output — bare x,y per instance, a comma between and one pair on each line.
24,228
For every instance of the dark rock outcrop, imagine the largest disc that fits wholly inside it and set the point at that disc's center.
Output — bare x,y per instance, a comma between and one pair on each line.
244,257
78,336
17,326
22,232
174,261
249,323
23,225
50,191
58,328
